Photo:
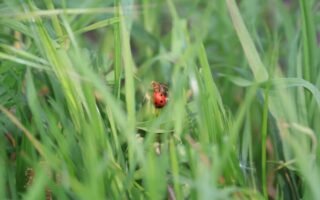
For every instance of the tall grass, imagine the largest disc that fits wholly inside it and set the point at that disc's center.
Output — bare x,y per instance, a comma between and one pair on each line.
77,121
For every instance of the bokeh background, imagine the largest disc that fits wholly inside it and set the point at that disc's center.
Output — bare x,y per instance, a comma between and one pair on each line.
77,118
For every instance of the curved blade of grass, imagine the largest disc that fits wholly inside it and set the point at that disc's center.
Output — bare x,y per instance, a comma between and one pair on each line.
24,54
16,25
37,145
22,61
100,24
259,71
237,80
297,82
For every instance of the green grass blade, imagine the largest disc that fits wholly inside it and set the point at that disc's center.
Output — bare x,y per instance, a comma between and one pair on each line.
255,63
37,145
129,66
308,41
22,61
117,53
100,24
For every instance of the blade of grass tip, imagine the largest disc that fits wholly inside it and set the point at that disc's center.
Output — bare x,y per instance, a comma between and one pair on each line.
173,10
117,52
259,71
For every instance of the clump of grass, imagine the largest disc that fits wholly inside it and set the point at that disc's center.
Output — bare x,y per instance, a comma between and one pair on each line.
241,122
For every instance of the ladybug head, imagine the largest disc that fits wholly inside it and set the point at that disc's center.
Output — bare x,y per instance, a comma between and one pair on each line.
159,87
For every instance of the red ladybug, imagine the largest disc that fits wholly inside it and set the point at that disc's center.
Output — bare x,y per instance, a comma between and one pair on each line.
160,94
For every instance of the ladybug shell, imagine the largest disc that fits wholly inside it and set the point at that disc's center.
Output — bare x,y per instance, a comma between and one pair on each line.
159,99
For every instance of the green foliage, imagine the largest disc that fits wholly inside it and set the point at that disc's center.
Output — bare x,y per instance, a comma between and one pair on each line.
77,120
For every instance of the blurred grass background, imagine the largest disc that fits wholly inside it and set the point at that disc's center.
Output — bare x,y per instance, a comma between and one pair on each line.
242,121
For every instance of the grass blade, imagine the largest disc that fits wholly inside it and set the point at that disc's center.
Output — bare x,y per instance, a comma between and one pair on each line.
259,71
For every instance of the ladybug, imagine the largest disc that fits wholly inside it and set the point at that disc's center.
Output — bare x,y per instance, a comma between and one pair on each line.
160,94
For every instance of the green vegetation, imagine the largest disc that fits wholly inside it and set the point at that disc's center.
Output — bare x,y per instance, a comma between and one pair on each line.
77,121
